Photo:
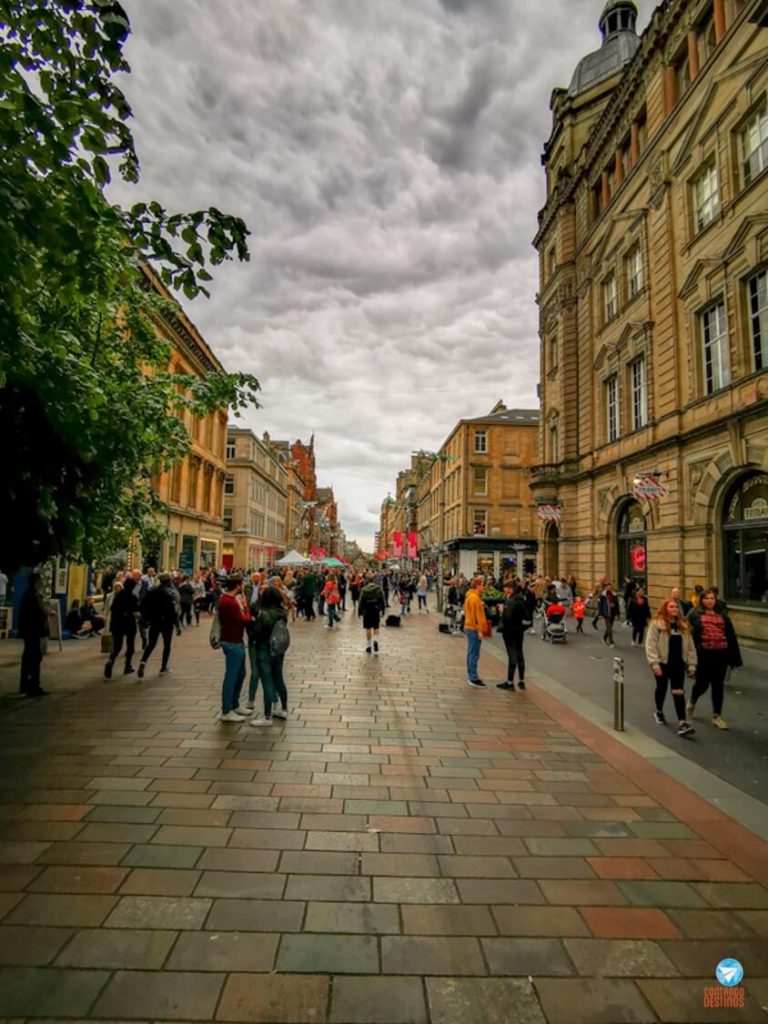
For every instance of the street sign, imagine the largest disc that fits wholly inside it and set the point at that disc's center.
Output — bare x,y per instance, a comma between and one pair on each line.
650,487
549,513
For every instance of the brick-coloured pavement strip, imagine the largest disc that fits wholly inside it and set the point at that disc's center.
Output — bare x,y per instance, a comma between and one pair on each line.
403,849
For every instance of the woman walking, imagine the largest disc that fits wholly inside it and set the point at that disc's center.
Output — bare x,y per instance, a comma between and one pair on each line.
421,592
718,650
332,598
671,653
638,616
513,625
608,610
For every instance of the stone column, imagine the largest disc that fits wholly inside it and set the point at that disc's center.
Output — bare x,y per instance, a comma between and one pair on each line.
634,143
693,55
670,97
719,20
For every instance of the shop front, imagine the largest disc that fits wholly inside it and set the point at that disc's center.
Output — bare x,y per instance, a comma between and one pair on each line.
492,556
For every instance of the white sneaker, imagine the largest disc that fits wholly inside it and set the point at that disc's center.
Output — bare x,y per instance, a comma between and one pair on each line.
259,723
279,712
232,716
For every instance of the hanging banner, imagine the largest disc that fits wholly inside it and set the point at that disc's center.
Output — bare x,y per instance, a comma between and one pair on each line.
413,544
549,513
649,487
397,544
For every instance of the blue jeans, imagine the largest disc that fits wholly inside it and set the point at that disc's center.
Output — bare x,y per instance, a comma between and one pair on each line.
473,652
333,615
234,676
272,682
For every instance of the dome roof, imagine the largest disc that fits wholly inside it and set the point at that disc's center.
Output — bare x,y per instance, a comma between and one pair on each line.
620,43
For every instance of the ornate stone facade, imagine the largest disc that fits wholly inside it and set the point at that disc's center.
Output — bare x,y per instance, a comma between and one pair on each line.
656,224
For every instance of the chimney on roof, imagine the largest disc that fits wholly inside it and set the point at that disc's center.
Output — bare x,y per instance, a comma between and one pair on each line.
499,407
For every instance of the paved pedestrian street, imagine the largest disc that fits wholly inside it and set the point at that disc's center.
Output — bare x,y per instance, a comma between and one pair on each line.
403,849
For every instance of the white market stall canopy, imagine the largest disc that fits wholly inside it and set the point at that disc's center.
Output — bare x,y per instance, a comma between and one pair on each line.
293,557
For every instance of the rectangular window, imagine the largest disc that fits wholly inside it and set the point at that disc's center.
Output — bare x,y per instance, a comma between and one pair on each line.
230,450
228,520
480,481
554,445
229,485
610,298
639,387
634,271
706,196
481,442
612,408
715,337
758,318
754,147
480,521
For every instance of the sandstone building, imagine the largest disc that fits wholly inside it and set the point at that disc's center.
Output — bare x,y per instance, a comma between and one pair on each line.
256,500
653,254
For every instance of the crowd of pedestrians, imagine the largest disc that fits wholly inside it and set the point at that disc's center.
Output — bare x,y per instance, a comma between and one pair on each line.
692,638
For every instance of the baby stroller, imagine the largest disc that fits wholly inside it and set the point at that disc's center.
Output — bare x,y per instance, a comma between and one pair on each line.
553,628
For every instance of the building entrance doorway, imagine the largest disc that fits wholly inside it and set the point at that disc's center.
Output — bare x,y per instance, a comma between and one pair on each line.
552,551
632,550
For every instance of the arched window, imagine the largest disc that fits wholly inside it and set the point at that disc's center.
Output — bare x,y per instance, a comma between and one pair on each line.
632,544
745,533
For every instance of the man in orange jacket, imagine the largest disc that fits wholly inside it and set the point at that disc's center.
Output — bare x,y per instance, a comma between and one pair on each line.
474,627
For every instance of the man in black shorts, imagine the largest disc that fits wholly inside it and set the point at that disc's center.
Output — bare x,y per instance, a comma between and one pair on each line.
370,608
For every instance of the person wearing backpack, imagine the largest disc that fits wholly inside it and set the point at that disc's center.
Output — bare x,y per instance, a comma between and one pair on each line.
370,607
269,639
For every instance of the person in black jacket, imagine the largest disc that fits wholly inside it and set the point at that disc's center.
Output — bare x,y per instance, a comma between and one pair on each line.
514,620
123,619
160,612
33,628
638,616
718,650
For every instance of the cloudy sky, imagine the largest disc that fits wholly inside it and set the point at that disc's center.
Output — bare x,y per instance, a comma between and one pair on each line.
385,156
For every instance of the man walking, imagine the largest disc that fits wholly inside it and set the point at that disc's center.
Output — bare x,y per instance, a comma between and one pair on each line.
370,608
160,612
474,627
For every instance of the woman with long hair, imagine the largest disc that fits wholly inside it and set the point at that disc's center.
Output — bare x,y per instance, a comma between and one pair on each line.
671,653
718,650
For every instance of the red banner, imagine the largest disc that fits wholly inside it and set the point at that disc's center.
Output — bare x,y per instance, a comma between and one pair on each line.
413,544
397,544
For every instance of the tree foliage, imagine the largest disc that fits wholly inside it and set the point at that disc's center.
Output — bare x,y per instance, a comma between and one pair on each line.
88,409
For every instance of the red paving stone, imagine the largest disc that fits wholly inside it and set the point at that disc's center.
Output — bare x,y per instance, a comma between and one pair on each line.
395,801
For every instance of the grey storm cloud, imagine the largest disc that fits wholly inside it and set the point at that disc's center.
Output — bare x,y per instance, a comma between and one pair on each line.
385,156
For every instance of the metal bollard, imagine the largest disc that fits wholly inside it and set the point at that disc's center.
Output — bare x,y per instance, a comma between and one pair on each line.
618,694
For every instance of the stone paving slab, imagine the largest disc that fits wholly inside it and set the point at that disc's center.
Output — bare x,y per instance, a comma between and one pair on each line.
403,850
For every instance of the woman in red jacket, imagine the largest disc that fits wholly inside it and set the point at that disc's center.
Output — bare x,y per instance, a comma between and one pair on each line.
233,617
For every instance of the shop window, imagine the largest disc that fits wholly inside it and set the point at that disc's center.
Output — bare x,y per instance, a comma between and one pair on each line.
745,531
481,442
706,196
631,539
634,271
480,481
758,318
480,522
610,298
638,381
485,564
715,343
754,147
612,408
